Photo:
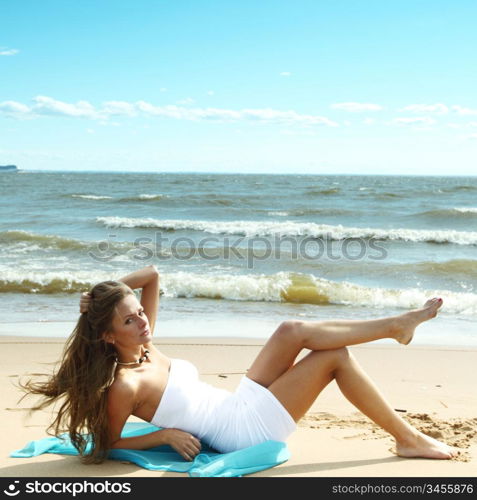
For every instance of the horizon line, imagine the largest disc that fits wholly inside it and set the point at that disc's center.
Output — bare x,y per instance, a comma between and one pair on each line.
235,173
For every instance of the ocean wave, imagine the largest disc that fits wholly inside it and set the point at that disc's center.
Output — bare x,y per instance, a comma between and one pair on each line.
141,197
212,199
46,283
224,202
17,242
456,189
386,196
41,240
300,212
279,287
280,214
151,196
322,192
256,288
312,290
91,197
463,212
290,228
466,210
145,197
449,268
208,199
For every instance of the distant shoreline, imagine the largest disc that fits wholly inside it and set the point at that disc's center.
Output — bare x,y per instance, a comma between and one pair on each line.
8,168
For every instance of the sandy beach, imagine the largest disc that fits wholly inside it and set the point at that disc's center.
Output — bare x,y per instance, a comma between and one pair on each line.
432,387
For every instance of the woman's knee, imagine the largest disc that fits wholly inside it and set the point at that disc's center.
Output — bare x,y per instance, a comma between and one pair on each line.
330,360
290,331
340,356
334,357
342,353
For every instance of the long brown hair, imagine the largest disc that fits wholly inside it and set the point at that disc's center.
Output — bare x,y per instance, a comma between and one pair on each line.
85,373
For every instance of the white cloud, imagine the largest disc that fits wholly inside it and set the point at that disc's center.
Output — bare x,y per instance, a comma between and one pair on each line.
285,73
271,115
210,92
356,107
464,111
83,109
437,108
163,89
49,106
425,120
8,52
15,109
119,108
369,121
261,115
169,111
471,137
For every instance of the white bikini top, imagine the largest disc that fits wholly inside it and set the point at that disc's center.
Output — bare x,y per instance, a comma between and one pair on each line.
187,403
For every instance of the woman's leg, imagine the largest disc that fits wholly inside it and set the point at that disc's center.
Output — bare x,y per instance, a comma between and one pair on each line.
340,333
281,350
298,388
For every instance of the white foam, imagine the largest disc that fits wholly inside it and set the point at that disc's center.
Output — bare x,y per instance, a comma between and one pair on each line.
226,286
44,278
269,288
151,196
91,197
290,228
279,214
410,298
23,247
259,288
466,210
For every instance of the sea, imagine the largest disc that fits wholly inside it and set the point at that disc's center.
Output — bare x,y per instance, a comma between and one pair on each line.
243,251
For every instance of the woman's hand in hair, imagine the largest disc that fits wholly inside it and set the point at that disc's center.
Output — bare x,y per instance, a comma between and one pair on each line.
85,300
187,445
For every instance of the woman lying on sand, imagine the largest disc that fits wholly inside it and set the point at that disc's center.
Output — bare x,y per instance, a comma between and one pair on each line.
111,370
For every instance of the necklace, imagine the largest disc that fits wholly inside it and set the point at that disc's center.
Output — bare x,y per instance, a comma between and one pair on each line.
138,362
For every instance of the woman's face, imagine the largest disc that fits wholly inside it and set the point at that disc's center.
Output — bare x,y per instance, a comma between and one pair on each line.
130,324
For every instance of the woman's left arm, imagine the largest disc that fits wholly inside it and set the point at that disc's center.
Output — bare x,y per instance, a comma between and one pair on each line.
147,279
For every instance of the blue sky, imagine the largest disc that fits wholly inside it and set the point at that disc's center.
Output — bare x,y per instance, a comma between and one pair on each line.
337,86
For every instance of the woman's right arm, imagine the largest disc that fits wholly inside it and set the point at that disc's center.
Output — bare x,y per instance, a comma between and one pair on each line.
184,443
121,398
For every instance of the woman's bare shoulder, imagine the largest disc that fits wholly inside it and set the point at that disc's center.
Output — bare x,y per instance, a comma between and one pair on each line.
125,385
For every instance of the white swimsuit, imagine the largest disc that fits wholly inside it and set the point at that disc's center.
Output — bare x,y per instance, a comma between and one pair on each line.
226,421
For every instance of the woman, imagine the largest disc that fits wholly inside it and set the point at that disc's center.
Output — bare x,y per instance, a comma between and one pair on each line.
111,370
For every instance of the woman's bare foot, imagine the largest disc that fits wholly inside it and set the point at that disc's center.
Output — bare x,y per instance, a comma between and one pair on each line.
407,323
422,446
